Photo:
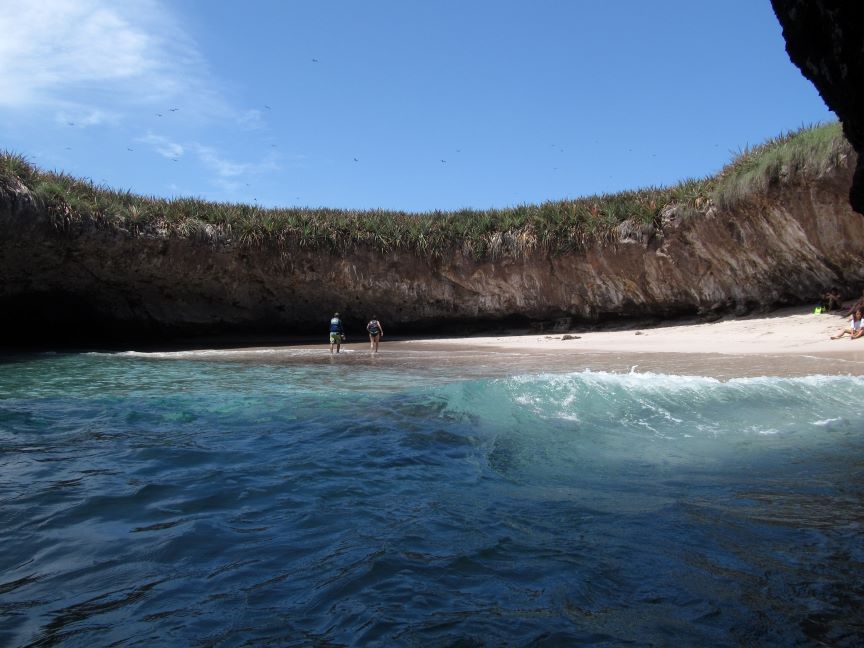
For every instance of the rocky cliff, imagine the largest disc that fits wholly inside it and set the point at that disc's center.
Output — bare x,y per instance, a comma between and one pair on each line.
825,39
89,282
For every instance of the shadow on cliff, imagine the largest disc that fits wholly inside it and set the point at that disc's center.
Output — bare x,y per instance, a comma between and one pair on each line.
823,39
38,329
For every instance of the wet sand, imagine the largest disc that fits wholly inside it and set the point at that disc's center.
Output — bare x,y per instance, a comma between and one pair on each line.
789,342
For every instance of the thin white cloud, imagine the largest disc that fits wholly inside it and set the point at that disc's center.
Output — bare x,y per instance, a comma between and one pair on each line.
251,119
222,166
64,53
85,118
225,168
163,146
228,186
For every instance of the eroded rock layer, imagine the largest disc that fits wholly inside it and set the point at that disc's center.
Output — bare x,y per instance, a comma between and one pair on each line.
101,283
825,39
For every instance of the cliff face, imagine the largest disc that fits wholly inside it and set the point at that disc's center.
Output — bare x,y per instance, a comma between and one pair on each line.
825,39
785,248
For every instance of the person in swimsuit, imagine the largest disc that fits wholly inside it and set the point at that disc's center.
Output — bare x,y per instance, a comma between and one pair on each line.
337,333
376,332
856,326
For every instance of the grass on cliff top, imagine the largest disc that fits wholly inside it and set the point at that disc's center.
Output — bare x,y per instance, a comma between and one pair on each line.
554,226
804,154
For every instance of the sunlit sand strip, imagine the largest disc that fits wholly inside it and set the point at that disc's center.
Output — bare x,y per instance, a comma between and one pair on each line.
788,331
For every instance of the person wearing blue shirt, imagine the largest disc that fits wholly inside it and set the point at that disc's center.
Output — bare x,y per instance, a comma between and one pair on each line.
337,333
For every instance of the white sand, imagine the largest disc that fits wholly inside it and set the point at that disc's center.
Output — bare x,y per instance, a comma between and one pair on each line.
792,331
788,342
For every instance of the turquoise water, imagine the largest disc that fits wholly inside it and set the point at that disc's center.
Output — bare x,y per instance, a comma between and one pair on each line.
185,499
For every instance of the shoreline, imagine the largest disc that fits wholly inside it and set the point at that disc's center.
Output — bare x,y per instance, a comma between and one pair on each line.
788,331
785,342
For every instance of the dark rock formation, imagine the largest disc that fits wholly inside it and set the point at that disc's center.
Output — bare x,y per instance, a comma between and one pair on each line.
825,39
99,282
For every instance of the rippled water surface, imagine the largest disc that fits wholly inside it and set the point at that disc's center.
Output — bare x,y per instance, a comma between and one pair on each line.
193,500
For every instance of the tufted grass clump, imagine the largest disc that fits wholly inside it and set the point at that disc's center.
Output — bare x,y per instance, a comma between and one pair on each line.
15,168
809,152
553,227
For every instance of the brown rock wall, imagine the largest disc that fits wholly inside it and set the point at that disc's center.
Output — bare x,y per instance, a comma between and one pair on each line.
825,39
785,249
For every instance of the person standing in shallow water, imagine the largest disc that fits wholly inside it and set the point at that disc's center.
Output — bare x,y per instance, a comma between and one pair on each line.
337,333
376,332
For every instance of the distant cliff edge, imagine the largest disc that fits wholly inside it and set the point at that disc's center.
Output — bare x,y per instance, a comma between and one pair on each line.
94,280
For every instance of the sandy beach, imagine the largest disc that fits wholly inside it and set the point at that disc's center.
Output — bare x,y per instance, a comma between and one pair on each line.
793,331
786,341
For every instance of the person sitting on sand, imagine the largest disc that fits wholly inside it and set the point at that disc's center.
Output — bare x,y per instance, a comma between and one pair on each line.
832,300
376,332
337,333
856,326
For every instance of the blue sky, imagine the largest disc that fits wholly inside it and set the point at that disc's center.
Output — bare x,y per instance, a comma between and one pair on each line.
402,104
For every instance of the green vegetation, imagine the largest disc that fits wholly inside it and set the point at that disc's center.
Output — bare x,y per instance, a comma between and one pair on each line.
804,154
554,226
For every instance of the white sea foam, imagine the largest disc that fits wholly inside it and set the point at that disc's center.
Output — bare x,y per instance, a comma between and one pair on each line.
219,354
827,422
671,409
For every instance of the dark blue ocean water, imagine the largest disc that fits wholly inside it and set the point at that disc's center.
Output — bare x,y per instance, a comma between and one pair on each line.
177,500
